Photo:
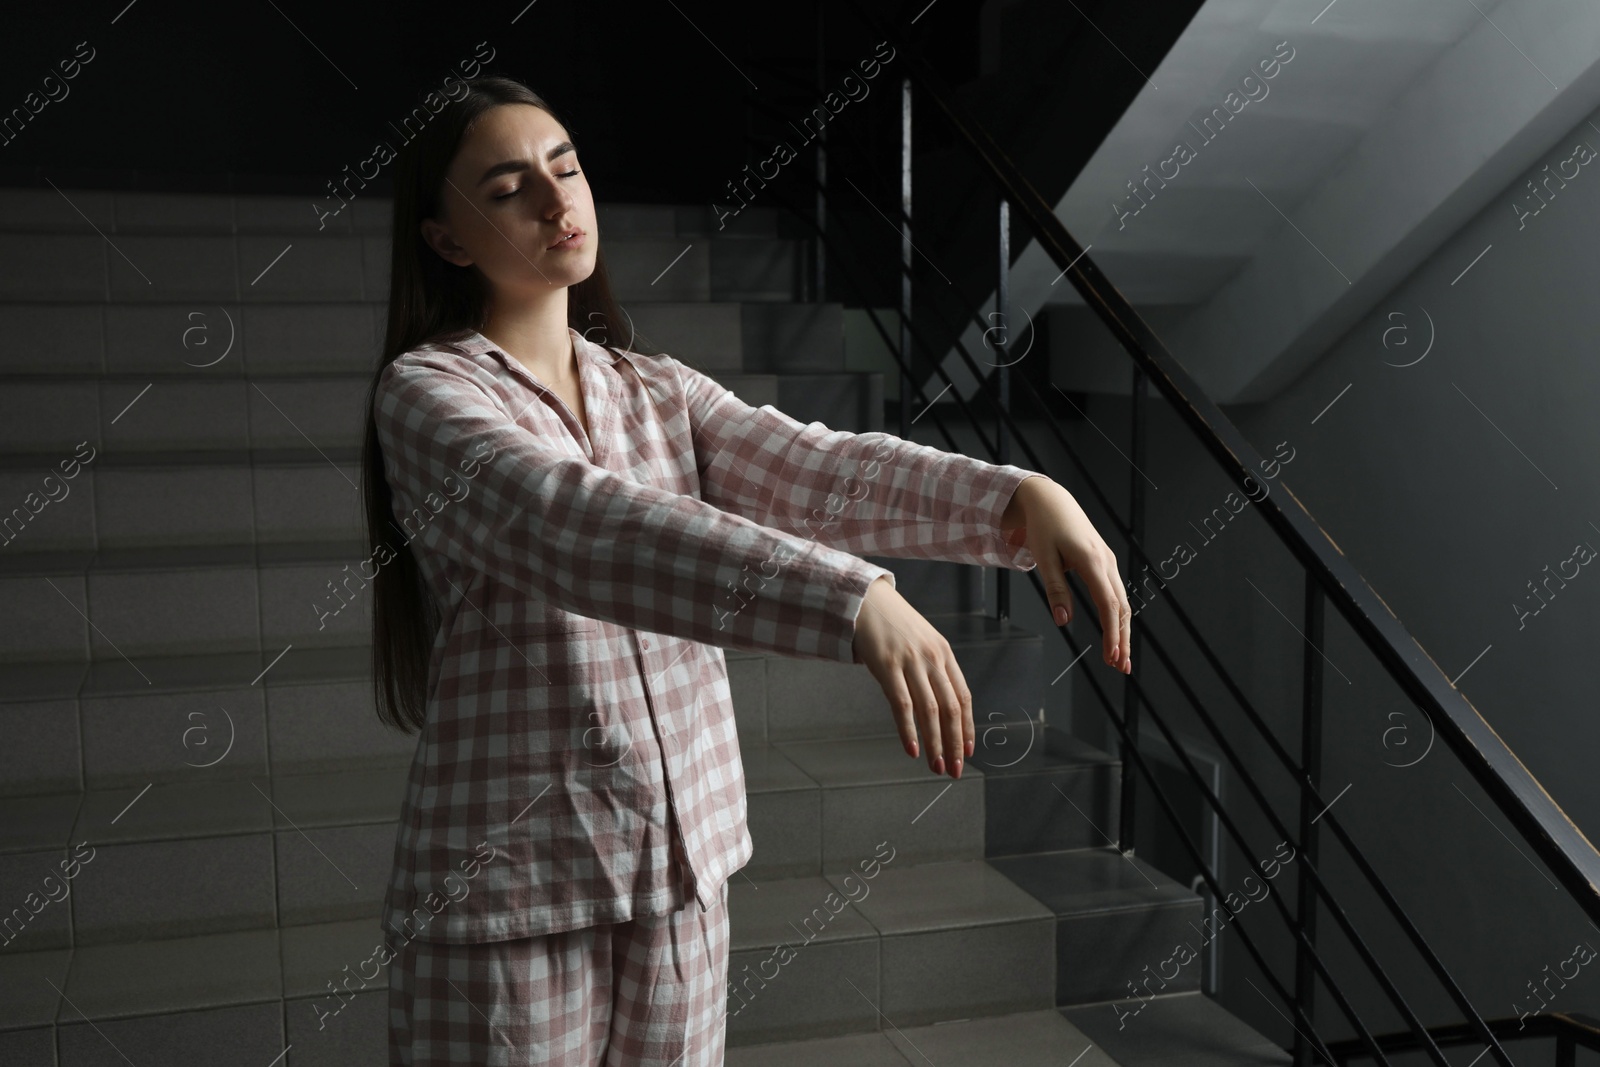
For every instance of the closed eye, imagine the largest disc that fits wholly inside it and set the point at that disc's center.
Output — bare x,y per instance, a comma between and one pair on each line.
514,192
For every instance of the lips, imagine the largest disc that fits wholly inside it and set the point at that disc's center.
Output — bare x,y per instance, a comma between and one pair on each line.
569,238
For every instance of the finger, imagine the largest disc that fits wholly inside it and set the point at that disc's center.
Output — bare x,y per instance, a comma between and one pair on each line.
1107,598
1127,618
927,714
900,705
969,734
950,727
1054,576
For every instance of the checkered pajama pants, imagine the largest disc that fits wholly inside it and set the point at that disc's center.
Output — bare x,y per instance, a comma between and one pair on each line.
650,992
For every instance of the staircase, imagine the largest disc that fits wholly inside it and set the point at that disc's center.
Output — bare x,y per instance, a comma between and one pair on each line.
168,698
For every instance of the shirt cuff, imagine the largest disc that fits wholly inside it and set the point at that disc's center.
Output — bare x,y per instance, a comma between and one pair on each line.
1003,481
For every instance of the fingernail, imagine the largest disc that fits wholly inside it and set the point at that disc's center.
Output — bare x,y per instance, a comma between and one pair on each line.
938,765
913,750
958,767
970,745
1061,615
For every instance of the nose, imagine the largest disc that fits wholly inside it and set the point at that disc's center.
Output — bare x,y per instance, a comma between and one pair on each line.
560,201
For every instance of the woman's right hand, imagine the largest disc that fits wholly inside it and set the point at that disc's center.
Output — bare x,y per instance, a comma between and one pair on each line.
919,674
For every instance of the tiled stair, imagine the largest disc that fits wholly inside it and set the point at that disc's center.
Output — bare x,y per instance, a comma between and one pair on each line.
169,694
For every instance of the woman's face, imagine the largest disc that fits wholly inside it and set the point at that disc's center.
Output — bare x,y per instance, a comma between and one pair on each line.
513,191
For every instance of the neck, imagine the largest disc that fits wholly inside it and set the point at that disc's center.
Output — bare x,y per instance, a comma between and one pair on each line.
534,333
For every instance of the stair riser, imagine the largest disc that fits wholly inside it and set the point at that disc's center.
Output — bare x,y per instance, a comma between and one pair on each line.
206,884
208,342
49,419
1050,811
910,978
1099,954
190,735
163,507
75,267
810,996
756,338
236,340
818,700
121,212
817,830
46,418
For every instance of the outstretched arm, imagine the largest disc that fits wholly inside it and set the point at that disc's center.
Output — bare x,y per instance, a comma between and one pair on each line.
865,493
588,540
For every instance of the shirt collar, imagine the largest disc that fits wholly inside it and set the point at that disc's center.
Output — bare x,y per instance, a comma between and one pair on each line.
476,343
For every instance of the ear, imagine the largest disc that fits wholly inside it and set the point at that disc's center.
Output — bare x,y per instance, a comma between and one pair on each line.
437,237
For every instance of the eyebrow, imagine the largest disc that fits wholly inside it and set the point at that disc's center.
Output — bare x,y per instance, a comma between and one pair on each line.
511,165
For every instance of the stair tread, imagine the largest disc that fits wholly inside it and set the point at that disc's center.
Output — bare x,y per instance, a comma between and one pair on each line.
1023,1039
893,901
867,761
1078,882
175,974
213,553
1188,1028
179,810
108,673
112,676
371,791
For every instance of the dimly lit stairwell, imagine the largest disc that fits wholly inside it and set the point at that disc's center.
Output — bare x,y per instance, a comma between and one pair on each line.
1032,66
171,696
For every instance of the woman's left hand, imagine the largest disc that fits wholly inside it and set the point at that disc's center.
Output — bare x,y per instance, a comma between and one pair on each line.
1061,537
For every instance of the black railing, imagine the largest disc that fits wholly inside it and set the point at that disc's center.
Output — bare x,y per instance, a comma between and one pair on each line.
1328,578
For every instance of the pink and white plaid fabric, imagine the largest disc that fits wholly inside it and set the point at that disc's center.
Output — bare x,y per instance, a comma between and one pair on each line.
647,993
579,716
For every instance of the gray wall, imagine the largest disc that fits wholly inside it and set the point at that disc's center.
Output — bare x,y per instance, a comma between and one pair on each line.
1448,517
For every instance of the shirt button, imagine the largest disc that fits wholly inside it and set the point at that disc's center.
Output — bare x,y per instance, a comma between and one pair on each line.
644,643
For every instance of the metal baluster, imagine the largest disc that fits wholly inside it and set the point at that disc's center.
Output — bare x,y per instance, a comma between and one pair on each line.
1002,295
819,281
1311,767
1130,688
905,257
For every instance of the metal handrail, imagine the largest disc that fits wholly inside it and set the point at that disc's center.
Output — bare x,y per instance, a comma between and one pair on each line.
1503,777
1314,960
1317,887
1507,781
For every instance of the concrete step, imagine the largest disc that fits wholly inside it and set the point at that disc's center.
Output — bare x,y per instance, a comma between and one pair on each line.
130,212
77,265
211,855
752,337
98,724
1187,1029
1044,790
250,823
106,715
230,340
237,997
1117,921
874,940
43,420
120,607
316,339
810,700
244,998
1026,1039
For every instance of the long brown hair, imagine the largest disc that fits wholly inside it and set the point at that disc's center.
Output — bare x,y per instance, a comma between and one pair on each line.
431,299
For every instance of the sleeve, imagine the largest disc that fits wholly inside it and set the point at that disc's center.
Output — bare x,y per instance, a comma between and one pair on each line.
867,493
590,541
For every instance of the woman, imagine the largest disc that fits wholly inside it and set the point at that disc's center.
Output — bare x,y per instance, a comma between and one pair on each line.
575,514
